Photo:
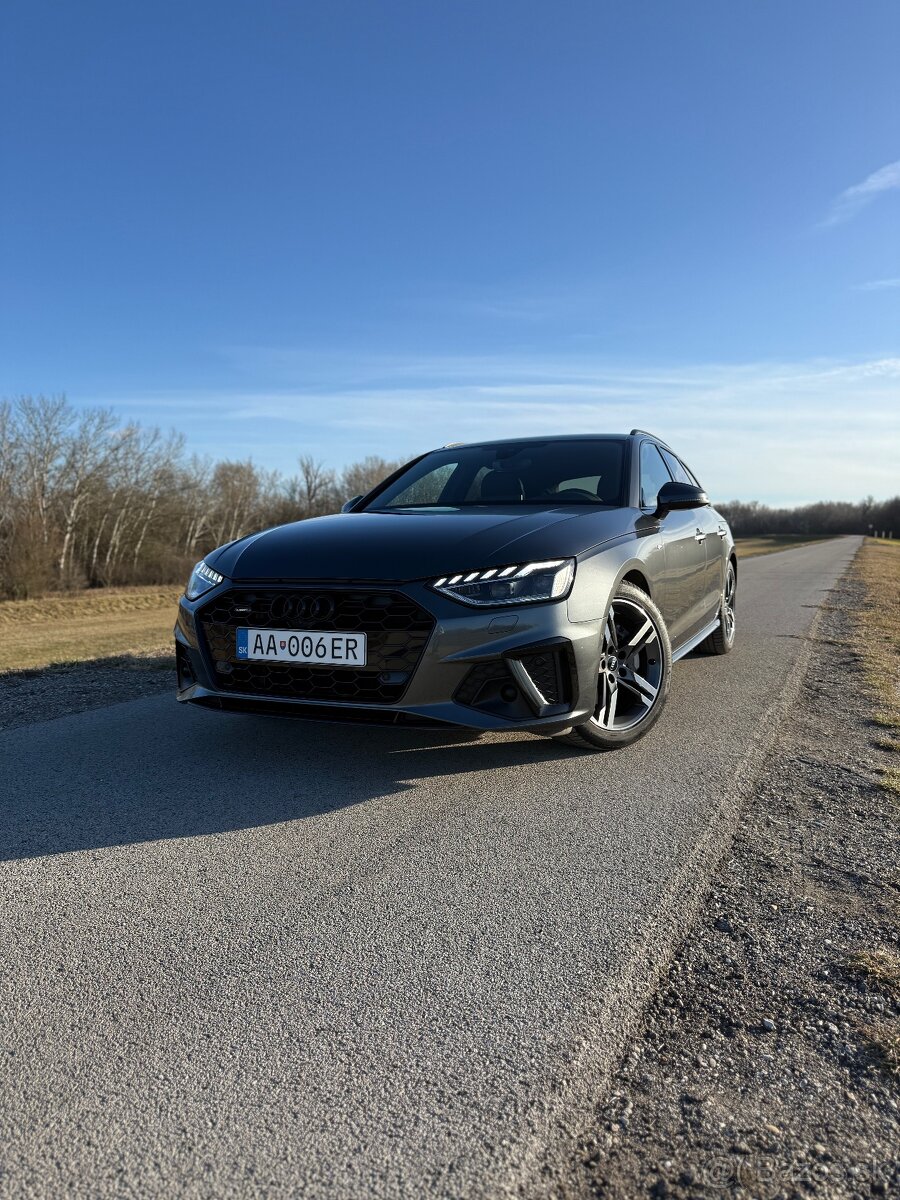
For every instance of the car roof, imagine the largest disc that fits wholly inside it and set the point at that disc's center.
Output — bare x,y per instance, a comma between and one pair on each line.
559,437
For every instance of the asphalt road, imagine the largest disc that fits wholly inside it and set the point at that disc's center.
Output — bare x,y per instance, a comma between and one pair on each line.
246,956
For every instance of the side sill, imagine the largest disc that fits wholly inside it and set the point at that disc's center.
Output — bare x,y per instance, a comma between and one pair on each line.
695,641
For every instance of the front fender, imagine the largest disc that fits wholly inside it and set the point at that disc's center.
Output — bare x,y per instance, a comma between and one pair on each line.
600,572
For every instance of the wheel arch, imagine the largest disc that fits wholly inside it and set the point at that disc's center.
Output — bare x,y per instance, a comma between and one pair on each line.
638,578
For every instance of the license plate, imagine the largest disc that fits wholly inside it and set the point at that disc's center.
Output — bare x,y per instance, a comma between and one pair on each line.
303,646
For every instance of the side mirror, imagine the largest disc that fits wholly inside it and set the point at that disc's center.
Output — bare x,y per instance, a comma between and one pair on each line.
679,495
349,505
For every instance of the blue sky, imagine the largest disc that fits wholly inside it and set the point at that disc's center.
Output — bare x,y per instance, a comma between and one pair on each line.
371,227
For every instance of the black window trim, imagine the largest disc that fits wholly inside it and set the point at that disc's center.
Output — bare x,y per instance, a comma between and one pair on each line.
649,442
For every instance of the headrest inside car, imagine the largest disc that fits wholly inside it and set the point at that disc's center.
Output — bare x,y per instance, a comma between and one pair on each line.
502,487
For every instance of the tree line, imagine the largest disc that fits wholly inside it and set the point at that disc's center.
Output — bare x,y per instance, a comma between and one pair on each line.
89,501
826,517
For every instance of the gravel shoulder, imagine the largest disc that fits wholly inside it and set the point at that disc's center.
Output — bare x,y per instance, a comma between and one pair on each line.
64,688
768,1063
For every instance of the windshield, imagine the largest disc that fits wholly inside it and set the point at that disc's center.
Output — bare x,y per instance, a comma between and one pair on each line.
549,473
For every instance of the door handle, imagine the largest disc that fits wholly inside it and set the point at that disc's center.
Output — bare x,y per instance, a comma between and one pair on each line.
700,536
722,531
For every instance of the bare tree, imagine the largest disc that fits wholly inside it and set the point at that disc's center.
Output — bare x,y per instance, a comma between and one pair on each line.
87,456
316,492
360,477
235,489
42,424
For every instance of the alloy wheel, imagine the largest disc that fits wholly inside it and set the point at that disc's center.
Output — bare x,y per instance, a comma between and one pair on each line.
631,667
728,617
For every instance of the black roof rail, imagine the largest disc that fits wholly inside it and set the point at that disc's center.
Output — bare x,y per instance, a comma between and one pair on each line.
647,433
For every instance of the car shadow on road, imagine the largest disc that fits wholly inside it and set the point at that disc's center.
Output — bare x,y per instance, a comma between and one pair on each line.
114,779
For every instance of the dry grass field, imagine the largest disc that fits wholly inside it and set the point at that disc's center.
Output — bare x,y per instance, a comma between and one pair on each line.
750,547
878,566
108,622
86,626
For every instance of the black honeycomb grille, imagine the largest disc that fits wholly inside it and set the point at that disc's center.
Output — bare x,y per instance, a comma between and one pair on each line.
485,673
396,629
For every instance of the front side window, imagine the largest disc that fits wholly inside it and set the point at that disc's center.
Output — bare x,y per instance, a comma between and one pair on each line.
653,474
678,470
551,473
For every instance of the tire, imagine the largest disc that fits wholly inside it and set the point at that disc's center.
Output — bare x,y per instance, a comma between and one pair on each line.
721,640
642,678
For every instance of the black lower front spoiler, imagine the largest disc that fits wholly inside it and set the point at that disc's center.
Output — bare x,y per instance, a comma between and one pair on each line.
475,722
318,712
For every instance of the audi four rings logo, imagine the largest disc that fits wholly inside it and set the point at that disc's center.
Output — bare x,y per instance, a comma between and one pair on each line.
319,608
304,607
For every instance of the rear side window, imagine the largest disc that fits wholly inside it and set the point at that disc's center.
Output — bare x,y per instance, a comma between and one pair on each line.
679,471
653,474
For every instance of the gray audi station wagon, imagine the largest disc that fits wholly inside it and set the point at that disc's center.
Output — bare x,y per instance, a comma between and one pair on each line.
544,584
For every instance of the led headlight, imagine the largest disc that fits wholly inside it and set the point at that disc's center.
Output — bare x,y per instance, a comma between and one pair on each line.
202,579
511,585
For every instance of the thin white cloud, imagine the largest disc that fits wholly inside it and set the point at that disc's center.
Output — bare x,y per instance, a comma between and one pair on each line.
850,201
778,432
878,285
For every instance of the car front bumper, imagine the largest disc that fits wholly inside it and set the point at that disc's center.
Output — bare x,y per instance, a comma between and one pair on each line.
521,667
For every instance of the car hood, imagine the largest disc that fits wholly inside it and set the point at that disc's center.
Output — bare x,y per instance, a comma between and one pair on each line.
417,544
